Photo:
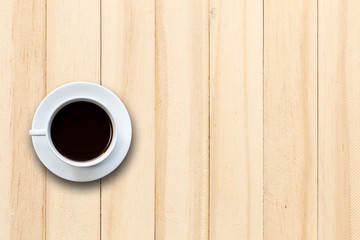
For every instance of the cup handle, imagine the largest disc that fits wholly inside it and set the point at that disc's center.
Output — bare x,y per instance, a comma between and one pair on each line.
37,132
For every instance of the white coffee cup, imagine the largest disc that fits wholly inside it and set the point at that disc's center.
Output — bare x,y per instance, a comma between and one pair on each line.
46,133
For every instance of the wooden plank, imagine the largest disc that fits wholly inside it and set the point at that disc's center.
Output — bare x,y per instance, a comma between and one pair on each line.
128,69
236,53
22,86
290,119
339,127
73,54
182,116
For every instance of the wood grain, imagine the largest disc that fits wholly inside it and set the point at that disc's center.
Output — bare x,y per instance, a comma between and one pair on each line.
73,54
182,120
235,105
22,77
339,127
290,119
236,115
128,69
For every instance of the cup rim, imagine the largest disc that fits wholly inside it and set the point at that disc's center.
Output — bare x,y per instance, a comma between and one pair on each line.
90,162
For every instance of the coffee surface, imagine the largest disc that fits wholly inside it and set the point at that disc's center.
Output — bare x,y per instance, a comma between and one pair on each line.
81,131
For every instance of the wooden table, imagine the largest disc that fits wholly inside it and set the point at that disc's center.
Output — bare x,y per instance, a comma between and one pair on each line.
245,115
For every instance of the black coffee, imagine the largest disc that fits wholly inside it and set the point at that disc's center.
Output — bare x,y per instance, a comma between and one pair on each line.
81,131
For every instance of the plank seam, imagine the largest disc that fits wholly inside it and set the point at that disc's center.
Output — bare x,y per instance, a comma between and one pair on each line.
100,42
317,119
263,116
209,115
155,116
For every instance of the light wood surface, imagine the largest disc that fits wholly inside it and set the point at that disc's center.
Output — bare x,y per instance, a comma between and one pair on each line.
73,54
22,86
182,120
339,125
245,118
236,116
128,69
290,119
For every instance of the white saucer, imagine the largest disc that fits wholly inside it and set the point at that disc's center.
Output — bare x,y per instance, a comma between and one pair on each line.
83,90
